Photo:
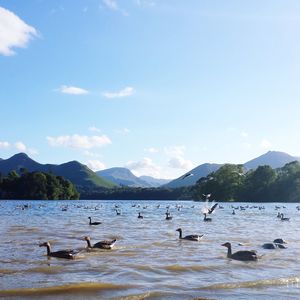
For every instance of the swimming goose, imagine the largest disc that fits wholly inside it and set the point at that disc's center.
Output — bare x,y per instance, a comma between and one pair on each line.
273,246
279,241
140,216
284,218
206,219
168,216
193,237
93,223
240,255
101,244
68,254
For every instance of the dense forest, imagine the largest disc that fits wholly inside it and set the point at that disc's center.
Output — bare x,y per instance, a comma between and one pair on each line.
264,184
36,185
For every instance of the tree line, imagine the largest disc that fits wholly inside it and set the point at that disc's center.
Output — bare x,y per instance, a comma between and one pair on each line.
264,184
36,186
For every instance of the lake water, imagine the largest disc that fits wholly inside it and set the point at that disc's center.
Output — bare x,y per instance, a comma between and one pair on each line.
148,261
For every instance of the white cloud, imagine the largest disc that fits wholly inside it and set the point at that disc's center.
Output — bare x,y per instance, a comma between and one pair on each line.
95,165
144,167
72,90
180,163
265,144
151,150
175,150
79,141
126,92
244,134
20,146
111,4
4,145
123,131
94,129
14,32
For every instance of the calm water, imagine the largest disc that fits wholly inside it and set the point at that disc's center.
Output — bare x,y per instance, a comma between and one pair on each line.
148,261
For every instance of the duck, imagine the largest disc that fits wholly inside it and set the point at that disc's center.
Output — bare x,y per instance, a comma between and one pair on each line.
193,237
206,219
168,216
93,223
68,254
140,216
240,255
100,245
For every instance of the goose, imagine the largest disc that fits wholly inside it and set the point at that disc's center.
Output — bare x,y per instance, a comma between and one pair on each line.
68,254
93,223
284,218
273,246
210,210
140,216
279,241
168,216
240,255
101,244
206,219
233,212
193,237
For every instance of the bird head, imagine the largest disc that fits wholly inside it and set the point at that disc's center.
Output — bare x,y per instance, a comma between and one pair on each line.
227,245
179,229
45,244
87,238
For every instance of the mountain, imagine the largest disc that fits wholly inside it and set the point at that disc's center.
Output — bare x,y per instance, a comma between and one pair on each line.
123,176
154,182
79,174
198,172
274,159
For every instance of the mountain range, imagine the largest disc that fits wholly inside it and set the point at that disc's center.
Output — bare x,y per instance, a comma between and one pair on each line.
274,159
82,177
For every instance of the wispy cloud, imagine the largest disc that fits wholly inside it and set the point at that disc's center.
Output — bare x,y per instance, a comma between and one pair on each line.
177,160
20,146
72,90
123,131
113,5
145,2
144,166
14,32
79,141
4,145
126,92
94,129
151,150
95,165
265,144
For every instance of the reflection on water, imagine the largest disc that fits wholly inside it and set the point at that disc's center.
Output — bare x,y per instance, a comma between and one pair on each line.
148,261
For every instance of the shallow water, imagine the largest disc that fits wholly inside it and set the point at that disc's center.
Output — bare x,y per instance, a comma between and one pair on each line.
148,261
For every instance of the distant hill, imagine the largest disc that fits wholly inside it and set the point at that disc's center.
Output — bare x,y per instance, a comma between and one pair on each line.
155,182
79,174
123,176
274,159
198,172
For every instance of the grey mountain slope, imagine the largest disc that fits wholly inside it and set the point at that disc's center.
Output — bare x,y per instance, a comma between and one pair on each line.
155,182
123,176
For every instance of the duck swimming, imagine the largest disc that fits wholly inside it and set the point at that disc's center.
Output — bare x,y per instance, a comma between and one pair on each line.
93,223
68,254
100,245
192,237
240,255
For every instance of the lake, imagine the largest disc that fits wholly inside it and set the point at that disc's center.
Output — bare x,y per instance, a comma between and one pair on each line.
148,261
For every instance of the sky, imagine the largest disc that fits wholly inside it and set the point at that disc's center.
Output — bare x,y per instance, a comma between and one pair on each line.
157,86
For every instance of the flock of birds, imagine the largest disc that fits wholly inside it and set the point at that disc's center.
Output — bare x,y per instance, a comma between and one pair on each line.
243,255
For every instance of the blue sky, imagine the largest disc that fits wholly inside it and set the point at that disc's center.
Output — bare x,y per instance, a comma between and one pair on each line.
156,86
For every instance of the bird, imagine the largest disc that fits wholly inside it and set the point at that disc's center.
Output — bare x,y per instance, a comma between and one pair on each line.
273,246
100,245
279,241
206,219
206,196
284,218
233,212
93,223
193,237
210,210
68,254
187,175
168,216
140,216
240,255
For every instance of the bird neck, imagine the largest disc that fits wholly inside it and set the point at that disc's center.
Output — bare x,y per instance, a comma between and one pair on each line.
229,251
48,249
90,220
89,243
180,234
